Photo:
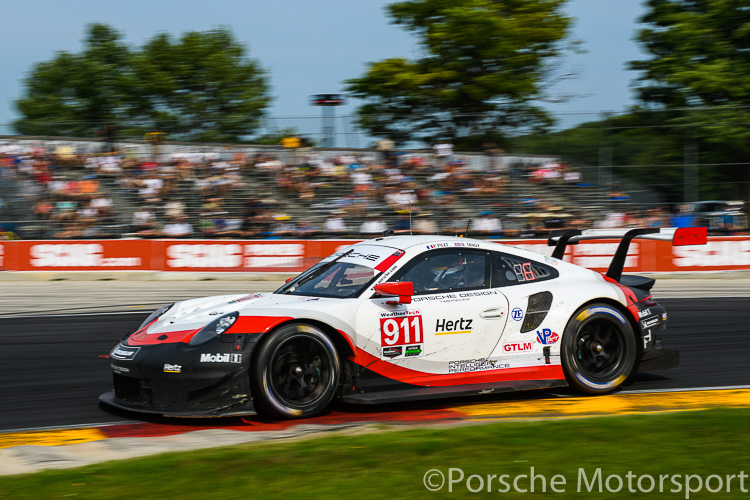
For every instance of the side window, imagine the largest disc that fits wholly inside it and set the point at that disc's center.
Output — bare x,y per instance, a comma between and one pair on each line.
511,270
443,271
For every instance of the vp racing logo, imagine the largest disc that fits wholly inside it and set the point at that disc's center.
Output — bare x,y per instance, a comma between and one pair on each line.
547,336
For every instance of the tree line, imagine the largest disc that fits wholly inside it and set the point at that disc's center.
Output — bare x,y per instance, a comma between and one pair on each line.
485,70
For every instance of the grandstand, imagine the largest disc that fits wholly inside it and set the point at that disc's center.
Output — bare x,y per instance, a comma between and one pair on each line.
52,188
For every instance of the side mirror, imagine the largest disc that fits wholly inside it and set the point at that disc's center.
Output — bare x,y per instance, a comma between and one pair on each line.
401,289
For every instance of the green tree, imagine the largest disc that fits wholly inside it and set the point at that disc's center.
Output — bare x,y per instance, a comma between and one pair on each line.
76,94
201,87
698,75
485,63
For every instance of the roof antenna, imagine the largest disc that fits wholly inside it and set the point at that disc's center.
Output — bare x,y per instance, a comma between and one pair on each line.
455,227
468,222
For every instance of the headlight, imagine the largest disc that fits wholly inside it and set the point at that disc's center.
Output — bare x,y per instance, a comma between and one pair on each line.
156,314
214,329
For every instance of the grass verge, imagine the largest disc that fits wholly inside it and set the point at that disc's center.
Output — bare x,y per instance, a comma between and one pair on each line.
685,448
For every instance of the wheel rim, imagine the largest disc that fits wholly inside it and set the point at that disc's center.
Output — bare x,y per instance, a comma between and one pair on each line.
600,349
299,371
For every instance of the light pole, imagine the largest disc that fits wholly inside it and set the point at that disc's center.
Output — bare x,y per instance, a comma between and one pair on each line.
328,101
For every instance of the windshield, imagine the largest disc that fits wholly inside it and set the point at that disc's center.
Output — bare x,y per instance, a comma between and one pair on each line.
326,279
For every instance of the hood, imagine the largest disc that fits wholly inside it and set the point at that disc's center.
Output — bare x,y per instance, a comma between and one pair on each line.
185,318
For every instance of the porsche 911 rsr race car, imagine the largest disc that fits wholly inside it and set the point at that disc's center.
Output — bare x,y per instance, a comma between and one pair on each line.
400,318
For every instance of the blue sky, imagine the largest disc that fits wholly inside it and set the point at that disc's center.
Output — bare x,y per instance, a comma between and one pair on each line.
307,47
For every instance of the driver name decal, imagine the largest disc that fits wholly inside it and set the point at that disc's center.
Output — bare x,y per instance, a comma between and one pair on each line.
401,334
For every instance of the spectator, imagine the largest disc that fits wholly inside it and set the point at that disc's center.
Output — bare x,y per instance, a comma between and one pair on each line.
177,227
424,224
144,222
682,216
443,151
335,224
487,225
306,229
402,225
374,225
283,226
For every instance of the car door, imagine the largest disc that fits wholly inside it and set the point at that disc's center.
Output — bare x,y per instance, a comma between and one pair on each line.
454,315
527,285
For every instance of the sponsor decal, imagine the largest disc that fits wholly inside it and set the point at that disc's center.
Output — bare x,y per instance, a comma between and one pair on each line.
120,369
713,254
458,326
365,256
478,293
387,274
664,317
649,323
393,352
402,328
647,339
221,255
169,368
273,255
547,336
550,260
204,255
412,351
221,358
518,347
76,255
644,313
475,365
124,352
600,254
517,314
438,297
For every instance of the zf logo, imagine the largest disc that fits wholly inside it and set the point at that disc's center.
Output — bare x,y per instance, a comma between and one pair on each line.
517,313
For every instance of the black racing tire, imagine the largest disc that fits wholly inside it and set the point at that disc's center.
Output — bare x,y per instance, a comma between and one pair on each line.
599,349
295,373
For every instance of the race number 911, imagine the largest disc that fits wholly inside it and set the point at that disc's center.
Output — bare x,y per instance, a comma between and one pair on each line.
401,330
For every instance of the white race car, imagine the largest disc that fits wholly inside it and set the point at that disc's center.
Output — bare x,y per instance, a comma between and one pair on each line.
400,318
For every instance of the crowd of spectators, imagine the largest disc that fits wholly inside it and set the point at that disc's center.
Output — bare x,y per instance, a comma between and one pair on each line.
57,192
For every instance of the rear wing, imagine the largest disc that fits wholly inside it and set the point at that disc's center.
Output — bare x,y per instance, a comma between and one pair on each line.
678,236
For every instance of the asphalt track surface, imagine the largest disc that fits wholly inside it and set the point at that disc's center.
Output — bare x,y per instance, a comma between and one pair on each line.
51,374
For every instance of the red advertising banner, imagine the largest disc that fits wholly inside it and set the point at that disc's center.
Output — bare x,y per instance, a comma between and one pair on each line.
79,255
293,256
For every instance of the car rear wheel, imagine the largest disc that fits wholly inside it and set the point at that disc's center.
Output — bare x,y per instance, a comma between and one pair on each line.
296,372
598,349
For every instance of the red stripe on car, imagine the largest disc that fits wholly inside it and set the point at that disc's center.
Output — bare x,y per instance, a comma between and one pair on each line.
414,377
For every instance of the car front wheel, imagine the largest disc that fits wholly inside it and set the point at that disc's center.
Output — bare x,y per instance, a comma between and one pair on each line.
295,373
598,349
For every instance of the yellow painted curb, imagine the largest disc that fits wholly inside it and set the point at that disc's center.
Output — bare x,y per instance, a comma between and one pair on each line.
613,404
50,438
